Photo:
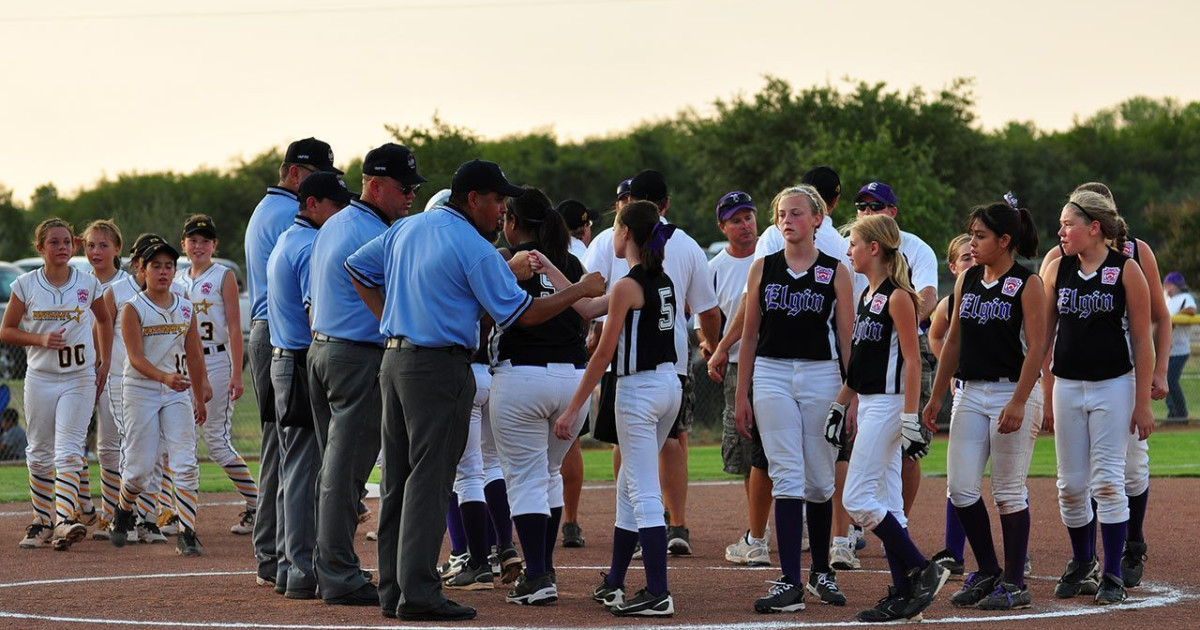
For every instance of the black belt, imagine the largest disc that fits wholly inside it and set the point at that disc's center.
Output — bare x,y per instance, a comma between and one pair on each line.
258,321
327,339
399,343
284,352
214,349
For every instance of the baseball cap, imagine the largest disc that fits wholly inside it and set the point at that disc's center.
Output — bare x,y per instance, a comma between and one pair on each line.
649,185
825,180
312,152
395,161
205,226
731,203
140,243
1175,278
157,245
878,190
623,188
483,175
324,186
438,199
576,214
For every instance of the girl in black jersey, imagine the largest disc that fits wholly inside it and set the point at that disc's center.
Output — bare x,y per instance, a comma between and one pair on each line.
1102,364
640,341
995,346
795,342
885,373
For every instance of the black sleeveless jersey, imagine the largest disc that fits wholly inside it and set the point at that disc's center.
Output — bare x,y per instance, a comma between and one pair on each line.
990,319
1092,343
648,337
797,310
560,339
876,365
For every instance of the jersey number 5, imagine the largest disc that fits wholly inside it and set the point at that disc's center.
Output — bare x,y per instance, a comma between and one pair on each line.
667,321
71,355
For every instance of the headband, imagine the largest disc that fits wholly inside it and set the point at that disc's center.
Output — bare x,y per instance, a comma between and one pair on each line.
1085,212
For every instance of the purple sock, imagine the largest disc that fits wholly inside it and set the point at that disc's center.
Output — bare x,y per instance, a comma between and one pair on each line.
1082,548
474,518
1092,527
454,525
497,501
654,557
1015,528
899,575
956,536
624,543
551,535
1137,516
898,544
820,524
531,529
978,526
1114,535
789,519
490,533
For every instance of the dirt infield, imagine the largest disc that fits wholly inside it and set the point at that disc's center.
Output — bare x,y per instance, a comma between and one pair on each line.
150,586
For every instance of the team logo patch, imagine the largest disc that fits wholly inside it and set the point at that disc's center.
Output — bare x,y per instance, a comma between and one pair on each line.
1130,248
1109,275
206,288
82,294
186,312
412,161
1011,286
877,303
823,274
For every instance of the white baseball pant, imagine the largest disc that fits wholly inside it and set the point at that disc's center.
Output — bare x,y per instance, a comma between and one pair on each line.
218,428
873,487
975,437
469,477
646,406
58,409
791,402
1091,437
153,411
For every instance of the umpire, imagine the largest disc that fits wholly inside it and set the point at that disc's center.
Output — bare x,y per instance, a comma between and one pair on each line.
343,364
271,218
439,275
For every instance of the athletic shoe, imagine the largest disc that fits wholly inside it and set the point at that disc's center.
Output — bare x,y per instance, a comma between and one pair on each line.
1028,566
843,558
455,564
750,554
859,536
1133,563
535,592
977,586
510,564
783,596
946,559
1111,590
364,513
187,544
926,582
824,587
494,560
373,536
572,536
262,581
1080,578
1007,596
149,533
88,518
66,534
101,530
637,550
245,524
472,579
36,535
889,609
646,605
608,596
678,543
122,529
169,526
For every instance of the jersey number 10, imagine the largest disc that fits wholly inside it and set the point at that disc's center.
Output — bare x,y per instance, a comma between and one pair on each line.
181,364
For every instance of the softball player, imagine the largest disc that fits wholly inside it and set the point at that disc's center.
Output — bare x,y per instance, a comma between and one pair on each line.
639,339
213,290
1103,364
795,340
995,346
885,372
47,313
163,360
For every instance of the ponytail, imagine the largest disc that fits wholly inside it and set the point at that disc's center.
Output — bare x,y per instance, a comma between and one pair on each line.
535,215
647,232
1094,206
882,229
1005,218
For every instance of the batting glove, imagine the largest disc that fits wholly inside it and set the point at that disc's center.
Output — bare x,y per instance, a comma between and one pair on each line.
835,424
914,438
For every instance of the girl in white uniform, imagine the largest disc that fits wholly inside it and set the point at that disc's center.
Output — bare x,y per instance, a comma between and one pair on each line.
47,312
795,343
640,340
213,291
163,361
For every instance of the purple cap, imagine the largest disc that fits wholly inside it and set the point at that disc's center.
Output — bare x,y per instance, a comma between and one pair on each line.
879,191
1175,278
731,203
623,188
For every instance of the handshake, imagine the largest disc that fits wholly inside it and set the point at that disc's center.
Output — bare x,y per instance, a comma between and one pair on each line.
914,437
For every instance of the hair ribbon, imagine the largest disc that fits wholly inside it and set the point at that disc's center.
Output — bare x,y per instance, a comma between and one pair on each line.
658,236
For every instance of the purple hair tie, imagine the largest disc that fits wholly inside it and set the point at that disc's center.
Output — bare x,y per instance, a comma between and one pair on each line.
1011,199
658,236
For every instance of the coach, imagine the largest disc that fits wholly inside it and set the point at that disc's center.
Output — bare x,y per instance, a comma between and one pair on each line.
439,275
343,364
274,215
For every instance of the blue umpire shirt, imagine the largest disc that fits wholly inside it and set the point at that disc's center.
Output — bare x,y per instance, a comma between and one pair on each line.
439,277
271,217
287,273
337,310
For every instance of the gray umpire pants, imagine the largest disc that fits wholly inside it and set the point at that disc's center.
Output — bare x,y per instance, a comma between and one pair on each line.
427,395
265,546
343,383
299,462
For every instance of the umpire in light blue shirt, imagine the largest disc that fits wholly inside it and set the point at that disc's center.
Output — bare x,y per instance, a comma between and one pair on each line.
343,368
271,218
440,274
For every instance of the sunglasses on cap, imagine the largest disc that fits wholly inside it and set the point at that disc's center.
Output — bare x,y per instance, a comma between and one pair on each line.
733,200
873,206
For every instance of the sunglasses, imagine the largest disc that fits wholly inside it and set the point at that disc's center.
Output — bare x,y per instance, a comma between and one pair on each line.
407,189
873,206
733,200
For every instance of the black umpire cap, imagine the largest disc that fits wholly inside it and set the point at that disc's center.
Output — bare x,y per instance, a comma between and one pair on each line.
479,175
311,152
324,186
395,161
576,214
649,186
825,180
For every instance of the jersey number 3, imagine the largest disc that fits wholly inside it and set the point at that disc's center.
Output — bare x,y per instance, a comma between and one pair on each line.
667,321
